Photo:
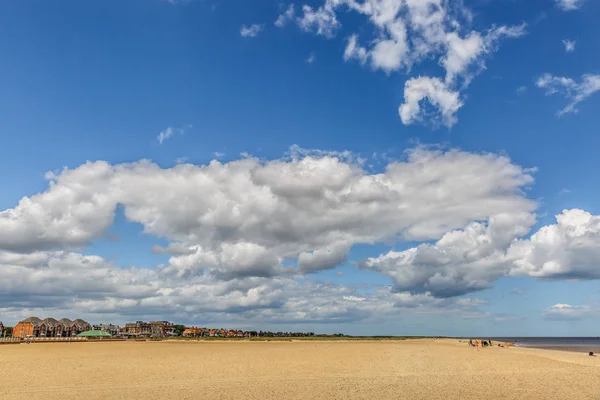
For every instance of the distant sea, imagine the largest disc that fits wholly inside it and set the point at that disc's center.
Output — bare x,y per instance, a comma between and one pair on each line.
577,344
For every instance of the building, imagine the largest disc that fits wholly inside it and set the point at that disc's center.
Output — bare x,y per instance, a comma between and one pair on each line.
138,328
162,328
195,332
113,330
50,327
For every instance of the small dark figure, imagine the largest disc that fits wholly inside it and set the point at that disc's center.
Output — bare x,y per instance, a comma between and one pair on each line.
591,354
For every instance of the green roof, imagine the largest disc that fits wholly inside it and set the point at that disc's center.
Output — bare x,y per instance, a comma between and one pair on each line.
94,334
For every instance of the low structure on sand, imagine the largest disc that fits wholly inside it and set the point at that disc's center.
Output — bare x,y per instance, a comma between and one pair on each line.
95,334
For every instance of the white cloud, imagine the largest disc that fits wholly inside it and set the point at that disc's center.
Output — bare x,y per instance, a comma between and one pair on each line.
312,57
305,204
167,134
407,32
461,262
569,5
574,92
569,45
251,31
322,21
354,51
218,154
325,258
286,17
437,93
471,259
521,89
236,230
568,312
471,302
569,249
92,288
461,53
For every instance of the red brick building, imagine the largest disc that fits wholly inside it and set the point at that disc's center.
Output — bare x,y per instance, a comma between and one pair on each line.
50,327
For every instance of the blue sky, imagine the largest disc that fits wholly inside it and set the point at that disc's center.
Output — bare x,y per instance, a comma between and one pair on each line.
100,81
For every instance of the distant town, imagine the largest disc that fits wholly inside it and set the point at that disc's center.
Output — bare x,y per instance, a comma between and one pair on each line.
37,328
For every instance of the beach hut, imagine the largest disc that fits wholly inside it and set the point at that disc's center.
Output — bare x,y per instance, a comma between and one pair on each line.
94,334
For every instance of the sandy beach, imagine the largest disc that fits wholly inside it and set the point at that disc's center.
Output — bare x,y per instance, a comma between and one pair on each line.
411,369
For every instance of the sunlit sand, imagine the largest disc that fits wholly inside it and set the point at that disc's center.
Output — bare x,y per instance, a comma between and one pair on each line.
412,369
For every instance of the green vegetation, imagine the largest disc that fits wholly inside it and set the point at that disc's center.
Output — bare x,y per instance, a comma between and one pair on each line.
179,329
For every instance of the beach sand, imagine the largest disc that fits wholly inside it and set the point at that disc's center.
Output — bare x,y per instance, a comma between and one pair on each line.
411,369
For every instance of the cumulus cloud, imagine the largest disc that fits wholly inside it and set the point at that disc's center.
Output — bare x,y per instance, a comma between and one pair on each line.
463,52
445,101
75,285
251,31
569,5
243,236
574,92
471,259
569,45
325,258
461,262
569,249
407,32
234,213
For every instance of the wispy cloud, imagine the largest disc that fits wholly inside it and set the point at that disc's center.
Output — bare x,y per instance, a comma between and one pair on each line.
312,57
518,291
568,312
569,45
521,89
569,5
218,154
575,92
170,132
286,17
251,31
